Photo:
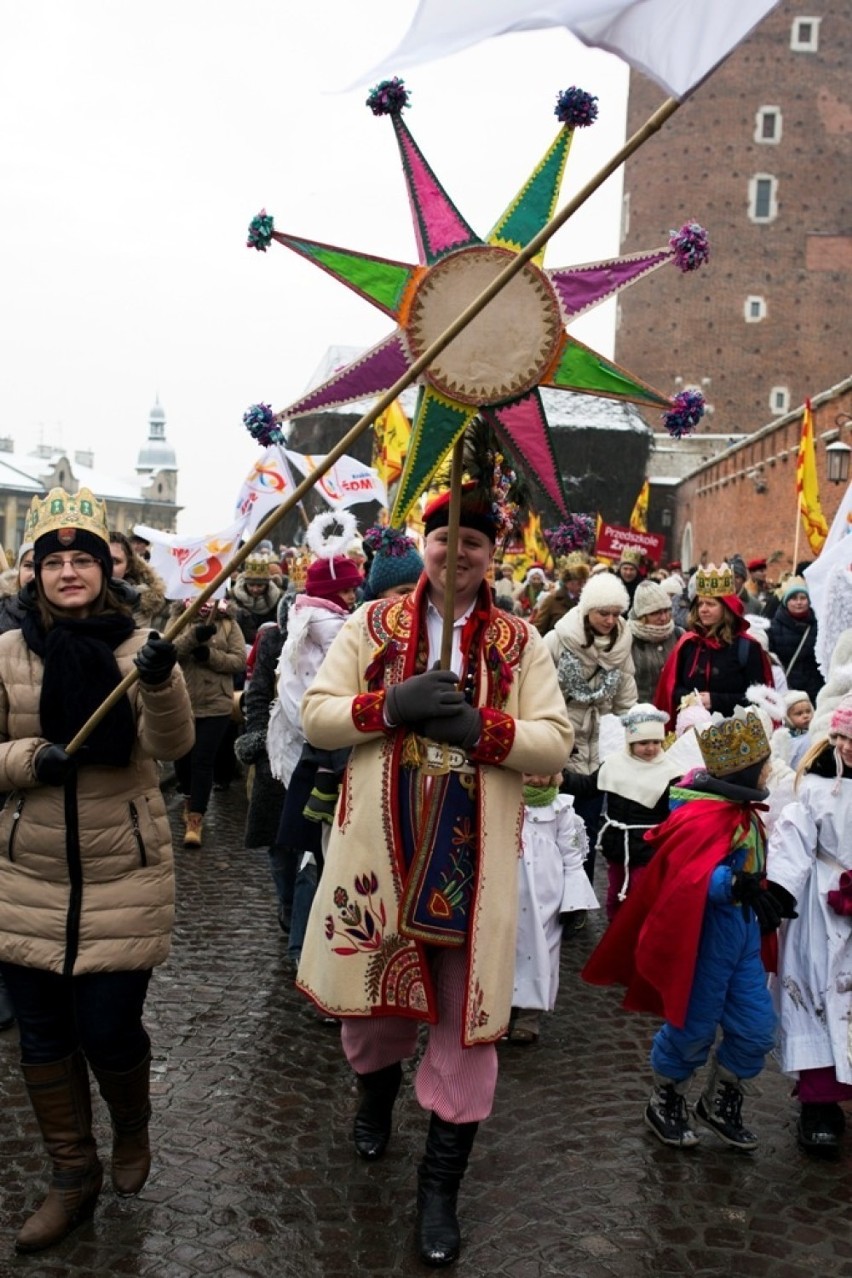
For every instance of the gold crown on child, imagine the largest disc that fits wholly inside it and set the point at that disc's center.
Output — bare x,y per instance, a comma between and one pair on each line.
60,509
713,582
733,743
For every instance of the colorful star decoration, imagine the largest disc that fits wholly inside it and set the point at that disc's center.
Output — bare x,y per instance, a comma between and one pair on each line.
518,343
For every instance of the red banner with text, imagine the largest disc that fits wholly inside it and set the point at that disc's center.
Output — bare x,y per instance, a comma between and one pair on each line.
612,539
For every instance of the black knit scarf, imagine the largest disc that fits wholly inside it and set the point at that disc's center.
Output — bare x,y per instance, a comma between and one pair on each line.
80,671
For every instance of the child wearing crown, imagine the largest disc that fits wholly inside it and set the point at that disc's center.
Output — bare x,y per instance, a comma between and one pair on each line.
687,943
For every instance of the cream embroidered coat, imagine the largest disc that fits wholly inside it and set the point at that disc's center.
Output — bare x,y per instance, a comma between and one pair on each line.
354,961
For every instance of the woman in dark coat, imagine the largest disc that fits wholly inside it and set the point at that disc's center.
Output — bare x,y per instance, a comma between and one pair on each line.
716,657
792,637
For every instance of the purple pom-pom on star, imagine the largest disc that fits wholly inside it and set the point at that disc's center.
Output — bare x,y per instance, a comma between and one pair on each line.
691,246
260,231
388,98
261,424
576,108
685,413
576,533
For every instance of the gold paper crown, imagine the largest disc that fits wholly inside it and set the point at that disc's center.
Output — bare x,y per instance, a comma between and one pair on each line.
713,582
734,743
60,509
631,556
299,566
575,562
257,568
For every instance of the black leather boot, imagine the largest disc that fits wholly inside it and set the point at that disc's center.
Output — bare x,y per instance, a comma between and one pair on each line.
448,1147
373,1120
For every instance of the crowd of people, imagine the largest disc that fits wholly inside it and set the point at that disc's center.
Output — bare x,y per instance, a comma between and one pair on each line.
436,748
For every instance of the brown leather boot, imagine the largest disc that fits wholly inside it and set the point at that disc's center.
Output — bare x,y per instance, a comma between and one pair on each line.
194,829
128,1099
60,1097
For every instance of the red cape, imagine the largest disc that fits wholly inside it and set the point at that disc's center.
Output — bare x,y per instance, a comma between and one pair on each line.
652,943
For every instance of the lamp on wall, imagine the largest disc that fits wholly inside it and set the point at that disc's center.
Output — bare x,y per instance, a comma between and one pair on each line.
837,462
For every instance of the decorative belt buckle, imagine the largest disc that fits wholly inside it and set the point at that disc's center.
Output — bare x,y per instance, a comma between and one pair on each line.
437,762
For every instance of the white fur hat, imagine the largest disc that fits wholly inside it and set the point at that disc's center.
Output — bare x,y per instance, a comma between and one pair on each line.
793,696
673,585
604,590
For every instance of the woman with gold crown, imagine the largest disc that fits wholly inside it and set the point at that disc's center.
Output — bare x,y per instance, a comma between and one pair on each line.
86,875
717,658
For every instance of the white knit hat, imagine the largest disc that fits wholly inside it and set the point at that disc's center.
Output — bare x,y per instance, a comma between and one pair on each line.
644,722
672,585
604,590
649,597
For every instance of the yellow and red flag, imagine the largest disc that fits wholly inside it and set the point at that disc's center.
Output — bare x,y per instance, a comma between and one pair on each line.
639,514
391,433
807,486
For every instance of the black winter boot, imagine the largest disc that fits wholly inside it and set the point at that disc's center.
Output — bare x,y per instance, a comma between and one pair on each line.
128,1099
448,1147
667,1113
820,1128
720,1106
372,1128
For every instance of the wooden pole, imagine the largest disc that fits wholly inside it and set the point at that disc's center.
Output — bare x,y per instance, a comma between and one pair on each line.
452,551
513,266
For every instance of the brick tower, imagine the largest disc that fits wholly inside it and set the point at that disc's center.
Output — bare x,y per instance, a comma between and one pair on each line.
762,156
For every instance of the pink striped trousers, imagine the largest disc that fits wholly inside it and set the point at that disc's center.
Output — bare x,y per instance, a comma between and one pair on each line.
456,1083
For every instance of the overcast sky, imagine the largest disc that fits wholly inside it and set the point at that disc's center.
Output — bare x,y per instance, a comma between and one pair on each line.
139,140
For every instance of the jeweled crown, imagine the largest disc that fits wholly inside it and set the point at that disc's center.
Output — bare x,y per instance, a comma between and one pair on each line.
298,574
713,582
59,509
733,744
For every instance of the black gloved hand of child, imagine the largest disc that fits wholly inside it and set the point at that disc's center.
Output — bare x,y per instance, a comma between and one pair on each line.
747,889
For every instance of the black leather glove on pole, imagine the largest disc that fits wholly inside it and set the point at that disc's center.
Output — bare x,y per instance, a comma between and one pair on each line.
433,695
204,631
155,661
53,765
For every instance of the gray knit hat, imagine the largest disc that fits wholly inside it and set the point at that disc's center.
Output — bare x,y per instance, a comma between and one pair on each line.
650,597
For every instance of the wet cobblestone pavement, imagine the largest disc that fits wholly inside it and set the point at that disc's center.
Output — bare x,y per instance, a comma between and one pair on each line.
254,1173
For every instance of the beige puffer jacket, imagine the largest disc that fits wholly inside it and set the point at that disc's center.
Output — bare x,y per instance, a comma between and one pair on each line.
211,683
126,898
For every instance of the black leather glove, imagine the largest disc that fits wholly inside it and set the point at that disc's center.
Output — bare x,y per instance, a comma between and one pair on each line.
249,747
785,900
53,765
322,800
747,890
156,660
201,653
432,695
204,630
463,729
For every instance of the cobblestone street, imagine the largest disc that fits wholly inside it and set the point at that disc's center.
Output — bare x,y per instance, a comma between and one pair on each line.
254,1173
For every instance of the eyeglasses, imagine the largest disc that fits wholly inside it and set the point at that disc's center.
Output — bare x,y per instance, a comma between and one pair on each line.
80,563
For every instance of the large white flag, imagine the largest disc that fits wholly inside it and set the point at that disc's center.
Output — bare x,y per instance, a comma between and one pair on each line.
188,564
267,484
829,581
676,42
345,483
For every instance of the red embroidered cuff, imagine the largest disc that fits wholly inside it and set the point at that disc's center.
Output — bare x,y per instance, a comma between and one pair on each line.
498,735
368,712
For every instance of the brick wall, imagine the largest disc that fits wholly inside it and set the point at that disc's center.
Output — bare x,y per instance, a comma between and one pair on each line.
698,167
745,501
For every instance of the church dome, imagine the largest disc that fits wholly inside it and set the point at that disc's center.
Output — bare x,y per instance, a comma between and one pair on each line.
157,453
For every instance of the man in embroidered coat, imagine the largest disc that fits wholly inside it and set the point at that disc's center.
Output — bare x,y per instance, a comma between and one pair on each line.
415,914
